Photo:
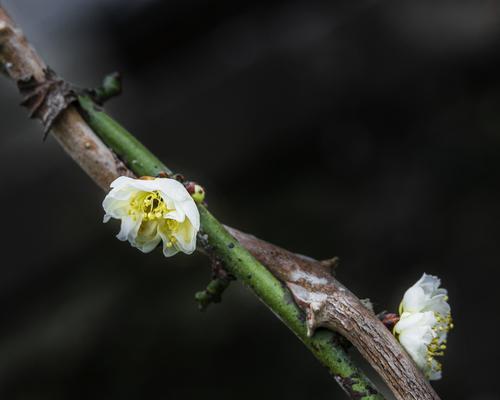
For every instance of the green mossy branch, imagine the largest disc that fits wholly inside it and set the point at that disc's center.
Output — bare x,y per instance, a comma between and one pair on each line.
237,260
133,153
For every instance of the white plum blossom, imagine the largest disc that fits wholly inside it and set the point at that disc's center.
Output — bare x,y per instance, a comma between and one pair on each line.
424,323
153,210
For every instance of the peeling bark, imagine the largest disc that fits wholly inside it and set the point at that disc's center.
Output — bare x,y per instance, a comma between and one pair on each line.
47,100
329,304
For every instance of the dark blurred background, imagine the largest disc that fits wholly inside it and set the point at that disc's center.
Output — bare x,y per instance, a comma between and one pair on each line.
369,130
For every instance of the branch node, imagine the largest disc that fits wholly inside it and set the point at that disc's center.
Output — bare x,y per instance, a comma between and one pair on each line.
212,293
215,288
46,100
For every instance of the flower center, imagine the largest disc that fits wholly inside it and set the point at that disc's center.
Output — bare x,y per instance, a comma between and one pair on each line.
153,210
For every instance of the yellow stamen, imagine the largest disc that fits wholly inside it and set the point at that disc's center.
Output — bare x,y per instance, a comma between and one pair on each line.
438,344
151,207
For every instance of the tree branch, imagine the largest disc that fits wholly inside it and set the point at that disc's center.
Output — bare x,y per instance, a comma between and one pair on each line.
330,304
326,302
21,63
216,242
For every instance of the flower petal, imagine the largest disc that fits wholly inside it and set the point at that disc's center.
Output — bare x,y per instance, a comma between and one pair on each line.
414,320
147,237
173,189
189,207
429,283
128,229
186,237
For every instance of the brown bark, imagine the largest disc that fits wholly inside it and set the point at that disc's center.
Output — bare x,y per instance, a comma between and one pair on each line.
22,64
329,304
326,302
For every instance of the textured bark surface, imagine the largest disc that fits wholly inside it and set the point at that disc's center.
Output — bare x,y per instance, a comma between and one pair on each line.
329,304
326,302
20,62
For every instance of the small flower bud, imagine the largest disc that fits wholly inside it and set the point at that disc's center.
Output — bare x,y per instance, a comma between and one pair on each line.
390,320
196,191
199,194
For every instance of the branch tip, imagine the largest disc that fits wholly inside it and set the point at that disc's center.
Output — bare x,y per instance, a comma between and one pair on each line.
331,264
212,293
111,87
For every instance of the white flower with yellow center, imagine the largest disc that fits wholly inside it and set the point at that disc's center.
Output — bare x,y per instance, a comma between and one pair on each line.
153,210
424,323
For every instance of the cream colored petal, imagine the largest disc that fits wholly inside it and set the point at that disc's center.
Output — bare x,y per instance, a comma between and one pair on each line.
186,237
147,238
177,215
121,181
191,210
124,182
172,189
147,246
426,295
429,284
413,320
169,251
122,193
414,300
115,208
122,188
416,350
177,197
415,342
439,304
415,334
128,229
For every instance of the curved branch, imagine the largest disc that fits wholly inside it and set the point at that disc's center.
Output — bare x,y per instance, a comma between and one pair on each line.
331,305
19,61
326,302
